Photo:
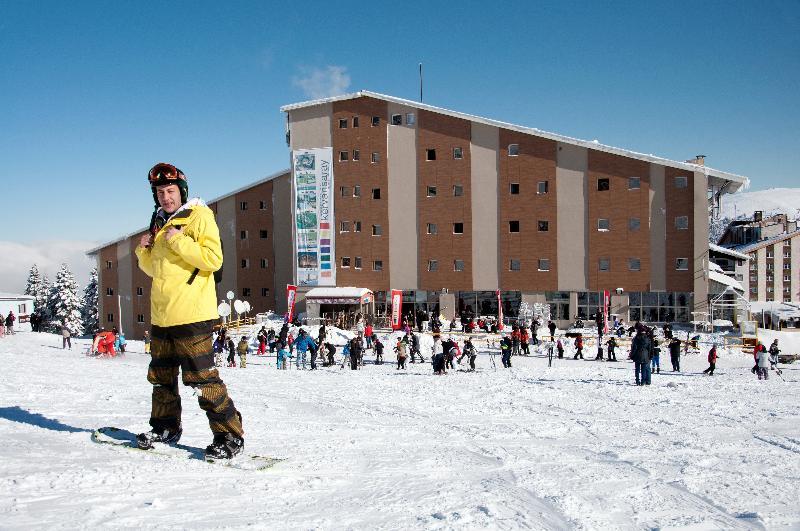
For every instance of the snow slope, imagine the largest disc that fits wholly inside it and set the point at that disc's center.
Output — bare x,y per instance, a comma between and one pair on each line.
572,446
773,200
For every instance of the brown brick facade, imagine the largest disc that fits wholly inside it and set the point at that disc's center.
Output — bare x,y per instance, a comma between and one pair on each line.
535,163
109,278
366,139
140,304
680,242
443,134
252,219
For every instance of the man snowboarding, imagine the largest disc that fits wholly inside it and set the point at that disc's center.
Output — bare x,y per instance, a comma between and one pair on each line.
181,252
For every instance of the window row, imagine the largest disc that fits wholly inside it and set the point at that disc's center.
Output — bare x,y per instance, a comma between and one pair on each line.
243,205
635,183
247,292
355,226
355,191
458,153
377,265
375,121
355,156
262,233
264,263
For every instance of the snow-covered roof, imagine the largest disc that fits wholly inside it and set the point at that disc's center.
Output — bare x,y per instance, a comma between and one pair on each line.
337,293
730,252
740,180
725,280
16,297
215,200
750,247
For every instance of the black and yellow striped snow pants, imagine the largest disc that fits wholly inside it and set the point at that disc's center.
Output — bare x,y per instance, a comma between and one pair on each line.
188,348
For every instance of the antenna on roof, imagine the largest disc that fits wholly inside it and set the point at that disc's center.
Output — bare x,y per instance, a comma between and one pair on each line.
420,82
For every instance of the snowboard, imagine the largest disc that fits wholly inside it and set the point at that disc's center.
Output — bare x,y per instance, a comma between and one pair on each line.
124,439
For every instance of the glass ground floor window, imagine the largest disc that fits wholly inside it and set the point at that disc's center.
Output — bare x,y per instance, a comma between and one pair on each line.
588,304
418,305
475,303
559,304
663,307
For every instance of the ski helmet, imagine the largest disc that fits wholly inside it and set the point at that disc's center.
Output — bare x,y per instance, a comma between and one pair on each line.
163,174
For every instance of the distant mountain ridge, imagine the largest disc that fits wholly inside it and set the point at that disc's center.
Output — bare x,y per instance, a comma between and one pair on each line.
771,201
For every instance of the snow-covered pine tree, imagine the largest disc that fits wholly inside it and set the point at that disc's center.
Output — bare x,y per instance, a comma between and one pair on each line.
64,304
42,300
90,306
34,281
39,288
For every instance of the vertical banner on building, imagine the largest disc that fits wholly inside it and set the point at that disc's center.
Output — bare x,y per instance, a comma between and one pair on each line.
397,306
291,294
606,302
499,311
312,184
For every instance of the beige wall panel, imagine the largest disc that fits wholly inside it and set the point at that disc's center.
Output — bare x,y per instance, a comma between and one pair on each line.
311,127
401,158
658,212
484,148
572,164
700,242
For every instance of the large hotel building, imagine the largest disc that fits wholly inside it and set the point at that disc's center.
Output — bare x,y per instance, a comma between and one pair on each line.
450,208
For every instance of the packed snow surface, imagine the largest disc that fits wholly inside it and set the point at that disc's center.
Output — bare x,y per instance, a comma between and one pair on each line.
572,446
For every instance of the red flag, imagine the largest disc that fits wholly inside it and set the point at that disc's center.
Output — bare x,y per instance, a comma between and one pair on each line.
499,311
397,304
291,293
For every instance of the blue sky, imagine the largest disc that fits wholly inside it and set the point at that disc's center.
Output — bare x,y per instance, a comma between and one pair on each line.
94,93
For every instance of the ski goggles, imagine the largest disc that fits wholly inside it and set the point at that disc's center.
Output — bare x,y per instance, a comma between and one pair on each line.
162,172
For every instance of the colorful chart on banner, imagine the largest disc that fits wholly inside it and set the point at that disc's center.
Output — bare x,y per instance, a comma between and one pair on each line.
312,183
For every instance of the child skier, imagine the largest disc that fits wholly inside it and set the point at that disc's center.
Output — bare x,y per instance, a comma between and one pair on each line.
378,350
283,353
231,352
578,347
402,353
244,349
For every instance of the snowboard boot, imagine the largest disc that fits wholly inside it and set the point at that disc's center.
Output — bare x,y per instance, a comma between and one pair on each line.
225,446
146,440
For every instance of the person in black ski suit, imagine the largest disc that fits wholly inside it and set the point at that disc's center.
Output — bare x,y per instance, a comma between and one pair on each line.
469,352
552,327
378,346
355,352
675,354
231,352
640,354
505,350
415,348
331,354
612,346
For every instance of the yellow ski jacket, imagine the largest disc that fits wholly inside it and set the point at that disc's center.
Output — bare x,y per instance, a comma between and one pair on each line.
178,296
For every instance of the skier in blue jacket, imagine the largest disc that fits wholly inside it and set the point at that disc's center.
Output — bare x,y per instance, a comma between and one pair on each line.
303,344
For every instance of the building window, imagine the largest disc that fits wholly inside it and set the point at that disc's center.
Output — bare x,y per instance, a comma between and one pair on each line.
458,265
140,291
659,307
769,289
513,150
544,264
458,153
109,264
356,226
355,121
681,264
513,226
344,191
357,263
514,189
542,187
432,228
243,205
376,193
634,264
633,224
109,292
376,157
787,289
397,119
604,264
410,118
682,222
263,234
543,225
376,121
377,230
458,228
245,263
753,290
345,261
140,318
603,224
770,278
787,265
681,181
458,190
265,292
770,253
243,235
344,226
433,265
344,156
264,263
513,265
245,292
603,185
634,183
431,191
430,154
343,123
770,266
356,155
377,265
357,191
110,317
262,205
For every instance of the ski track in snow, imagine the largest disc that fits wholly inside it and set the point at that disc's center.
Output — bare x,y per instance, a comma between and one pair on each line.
573,446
